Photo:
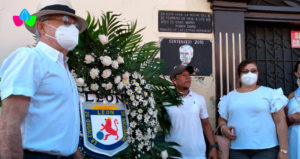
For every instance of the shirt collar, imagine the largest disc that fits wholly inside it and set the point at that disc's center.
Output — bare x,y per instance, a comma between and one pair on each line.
189,94
52,53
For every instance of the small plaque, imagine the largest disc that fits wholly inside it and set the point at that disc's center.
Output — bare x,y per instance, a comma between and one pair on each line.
187,22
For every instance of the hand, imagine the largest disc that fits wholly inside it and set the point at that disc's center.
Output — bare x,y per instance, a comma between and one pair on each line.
283,155
213,153
227,132
77,155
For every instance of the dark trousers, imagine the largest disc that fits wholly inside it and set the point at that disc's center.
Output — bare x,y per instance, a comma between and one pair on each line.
270,153
39,155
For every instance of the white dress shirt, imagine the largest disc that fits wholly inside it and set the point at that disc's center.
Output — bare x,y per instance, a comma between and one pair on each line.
52,122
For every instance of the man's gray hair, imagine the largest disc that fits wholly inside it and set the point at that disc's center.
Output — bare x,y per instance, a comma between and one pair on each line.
37,33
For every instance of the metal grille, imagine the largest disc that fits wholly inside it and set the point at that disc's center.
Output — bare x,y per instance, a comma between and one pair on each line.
269,44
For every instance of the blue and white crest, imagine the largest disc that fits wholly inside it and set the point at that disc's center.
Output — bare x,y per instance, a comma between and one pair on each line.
104,125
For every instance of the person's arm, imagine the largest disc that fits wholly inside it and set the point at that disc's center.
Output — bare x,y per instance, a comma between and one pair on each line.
14,109
294,118
225,130
282,132
213,154
77,155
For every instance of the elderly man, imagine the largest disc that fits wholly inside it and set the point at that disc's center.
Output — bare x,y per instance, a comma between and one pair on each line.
40,112
190,119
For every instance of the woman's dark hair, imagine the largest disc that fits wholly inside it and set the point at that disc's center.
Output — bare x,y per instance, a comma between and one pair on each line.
296,66
244,64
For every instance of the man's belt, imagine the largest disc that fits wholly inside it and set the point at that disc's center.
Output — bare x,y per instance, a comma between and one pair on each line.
40,155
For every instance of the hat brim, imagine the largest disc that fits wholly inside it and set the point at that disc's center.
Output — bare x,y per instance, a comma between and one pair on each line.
82,23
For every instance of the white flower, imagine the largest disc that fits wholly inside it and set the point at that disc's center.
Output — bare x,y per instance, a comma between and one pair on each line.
149,148
145,94
150,111
131,140
88,59
164,154
132,97
129,131
103,85
126,75
120,60
136,84
135,75
141,145
139,117
140,111
108,86
145,103
132,124
139,97
138,132
120,85
127,85
115,64
138,90
106,73
129,92
149,131
146,120
153,136
80,82
103,39
117,79
147,86
147,116
94,73
106,60
139,137
143,81
135,103
94,87
133,113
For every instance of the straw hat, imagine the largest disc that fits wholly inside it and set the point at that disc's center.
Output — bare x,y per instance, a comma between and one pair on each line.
51,7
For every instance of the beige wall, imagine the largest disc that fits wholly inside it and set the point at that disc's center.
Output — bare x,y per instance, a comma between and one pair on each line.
144,11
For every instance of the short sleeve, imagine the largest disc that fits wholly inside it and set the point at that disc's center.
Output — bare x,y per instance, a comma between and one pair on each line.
203,110
222,107
278,100
20,73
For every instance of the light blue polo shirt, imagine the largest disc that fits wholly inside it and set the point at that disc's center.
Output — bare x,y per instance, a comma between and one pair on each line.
52,122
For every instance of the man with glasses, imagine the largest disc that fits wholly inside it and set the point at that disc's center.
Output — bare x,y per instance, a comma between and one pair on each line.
40,112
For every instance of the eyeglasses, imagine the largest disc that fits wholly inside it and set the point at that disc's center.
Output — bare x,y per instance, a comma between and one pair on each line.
64,19
247,71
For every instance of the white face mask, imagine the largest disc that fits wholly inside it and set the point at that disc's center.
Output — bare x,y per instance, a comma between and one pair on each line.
249,78
298,82
66,36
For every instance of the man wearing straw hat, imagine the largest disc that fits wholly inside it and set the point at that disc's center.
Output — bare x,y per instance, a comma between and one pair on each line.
40,112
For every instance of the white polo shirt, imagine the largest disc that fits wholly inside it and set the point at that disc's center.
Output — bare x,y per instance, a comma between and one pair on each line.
52,123
186,127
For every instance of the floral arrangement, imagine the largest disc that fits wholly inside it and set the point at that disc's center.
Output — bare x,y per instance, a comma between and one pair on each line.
111,60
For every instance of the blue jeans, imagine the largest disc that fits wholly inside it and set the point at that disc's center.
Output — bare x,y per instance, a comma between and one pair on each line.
270,153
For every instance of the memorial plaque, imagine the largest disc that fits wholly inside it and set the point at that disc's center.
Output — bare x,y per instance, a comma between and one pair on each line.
193,52
188,22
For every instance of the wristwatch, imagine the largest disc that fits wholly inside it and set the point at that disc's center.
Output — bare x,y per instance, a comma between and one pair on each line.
214,146
284,151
